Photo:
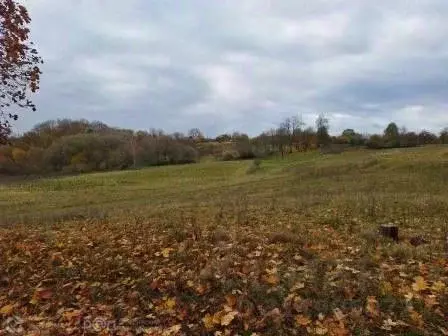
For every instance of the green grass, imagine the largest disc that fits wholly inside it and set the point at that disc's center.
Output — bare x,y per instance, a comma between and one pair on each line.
414,179
311,217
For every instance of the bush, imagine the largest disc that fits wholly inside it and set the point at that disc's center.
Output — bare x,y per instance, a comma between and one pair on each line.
230,155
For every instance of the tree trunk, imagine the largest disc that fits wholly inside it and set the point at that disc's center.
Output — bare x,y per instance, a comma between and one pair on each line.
389,230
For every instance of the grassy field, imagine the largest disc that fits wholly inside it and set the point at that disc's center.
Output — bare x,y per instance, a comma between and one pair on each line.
289,247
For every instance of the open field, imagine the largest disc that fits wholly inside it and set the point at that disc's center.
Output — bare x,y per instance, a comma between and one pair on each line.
220,248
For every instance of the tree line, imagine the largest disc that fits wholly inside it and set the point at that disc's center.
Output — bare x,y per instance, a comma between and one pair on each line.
79,146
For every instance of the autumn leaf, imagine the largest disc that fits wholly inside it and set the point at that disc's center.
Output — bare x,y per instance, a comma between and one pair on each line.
297,286
431,301
372,306
166,252
230,300
416,318
302,320
389,324
438,287
41,294
419,284
321,331
386,287
271,279
174,330
338,314
208,322
7,310
228,318
72,315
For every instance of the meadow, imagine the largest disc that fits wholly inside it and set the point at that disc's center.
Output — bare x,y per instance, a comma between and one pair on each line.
268,247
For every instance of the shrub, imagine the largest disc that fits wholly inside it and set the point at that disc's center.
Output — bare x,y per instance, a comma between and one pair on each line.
230,155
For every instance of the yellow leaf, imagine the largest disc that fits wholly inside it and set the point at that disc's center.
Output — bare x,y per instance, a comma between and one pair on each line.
438,286
271,279
217,317
7,310
170,304
166,252
72,315
228,318
419,284
302,320
386,287
208,322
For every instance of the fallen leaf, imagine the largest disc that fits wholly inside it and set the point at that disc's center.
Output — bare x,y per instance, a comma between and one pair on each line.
416,318
228,318
230,300
172,330
41,294
170,303
338,314
208,322
166,252
438,286
7,310
271,279
302,320
386,287
419,284
372,306
431,301
389,324
72,315
321,331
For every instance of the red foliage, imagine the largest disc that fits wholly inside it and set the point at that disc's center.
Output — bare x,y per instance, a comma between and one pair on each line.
19,63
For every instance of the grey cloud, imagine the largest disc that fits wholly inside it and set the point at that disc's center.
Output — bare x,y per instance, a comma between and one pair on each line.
245,65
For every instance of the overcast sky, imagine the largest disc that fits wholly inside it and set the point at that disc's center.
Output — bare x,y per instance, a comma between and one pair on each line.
242,64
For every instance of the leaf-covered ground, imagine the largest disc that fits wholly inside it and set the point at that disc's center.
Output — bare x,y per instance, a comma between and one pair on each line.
291,249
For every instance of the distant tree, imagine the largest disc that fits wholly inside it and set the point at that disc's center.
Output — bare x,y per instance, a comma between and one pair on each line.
287,132
375,142
322,128
223,138
19,63
352,138
392,136
444,136
391,130
297,125
237,136
195,134
427,138
309,138
178,136
408,139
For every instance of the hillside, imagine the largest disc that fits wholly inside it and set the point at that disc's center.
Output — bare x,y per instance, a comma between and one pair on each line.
286,246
